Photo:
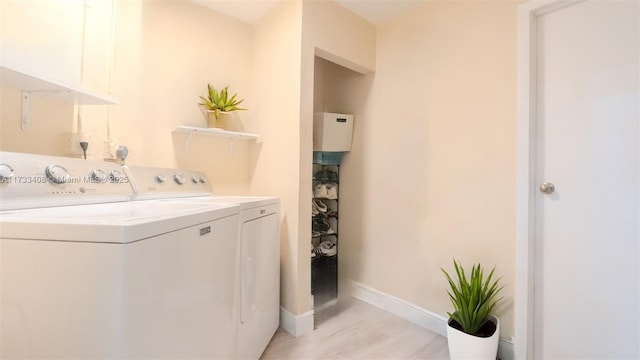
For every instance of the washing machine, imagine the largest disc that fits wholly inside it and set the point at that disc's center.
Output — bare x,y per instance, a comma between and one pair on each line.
259,248
88,273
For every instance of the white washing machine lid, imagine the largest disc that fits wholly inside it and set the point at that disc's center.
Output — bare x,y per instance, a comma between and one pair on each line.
120,222
245,202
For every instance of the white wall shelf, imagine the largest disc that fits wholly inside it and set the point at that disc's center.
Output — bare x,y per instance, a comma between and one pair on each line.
16,79
39,87
231,135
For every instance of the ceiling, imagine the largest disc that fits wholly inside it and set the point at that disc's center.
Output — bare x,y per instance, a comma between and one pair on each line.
375,11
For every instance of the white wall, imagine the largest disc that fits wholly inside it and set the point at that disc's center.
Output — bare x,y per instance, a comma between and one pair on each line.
432,172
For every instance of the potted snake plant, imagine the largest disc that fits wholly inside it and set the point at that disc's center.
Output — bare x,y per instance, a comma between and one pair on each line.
218,104
472,330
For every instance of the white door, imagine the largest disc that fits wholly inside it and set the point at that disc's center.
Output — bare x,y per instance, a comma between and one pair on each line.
587,282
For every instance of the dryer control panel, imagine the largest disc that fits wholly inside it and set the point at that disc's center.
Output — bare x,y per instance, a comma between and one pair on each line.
30,180
163,183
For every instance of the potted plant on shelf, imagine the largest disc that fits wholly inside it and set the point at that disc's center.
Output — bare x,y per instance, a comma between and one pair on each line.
472,330
218,104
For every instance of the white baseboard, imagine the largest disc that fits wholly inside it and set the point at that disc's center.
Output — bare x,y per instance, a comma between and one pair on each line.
296,325
421,317
415,314
506,350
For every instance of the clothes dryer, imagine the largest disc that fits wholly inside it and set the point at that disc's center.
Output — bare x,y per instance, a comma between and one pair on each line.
260,270
259,248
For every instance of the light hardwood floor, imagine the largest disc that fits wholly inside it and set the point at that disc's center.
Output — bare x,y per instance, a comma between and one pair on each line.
353,329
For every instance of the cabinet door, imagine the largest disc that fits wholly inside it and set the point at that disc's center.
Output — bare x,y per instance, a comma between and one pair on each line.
63,41
43,37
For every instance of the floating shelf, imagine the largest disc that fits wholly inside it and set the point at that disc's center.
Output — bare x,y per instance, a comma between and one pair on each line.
19,80
231,135
34,88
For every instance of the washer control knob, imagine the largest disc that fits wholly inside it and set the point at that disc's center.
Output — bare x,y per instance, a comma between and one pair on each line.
179,179
195,179
57,173
6,172
98,175
203,179
161,178
116,176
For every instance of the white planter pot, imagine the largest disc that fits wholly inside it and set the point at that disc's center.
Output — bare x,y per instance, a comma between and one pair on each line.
465,346
219,122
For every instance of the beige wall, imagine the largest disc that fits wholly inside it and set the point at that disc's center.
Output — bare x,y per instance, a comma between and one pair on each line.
163,58
286,42
339,35
276,77
432,172
330,31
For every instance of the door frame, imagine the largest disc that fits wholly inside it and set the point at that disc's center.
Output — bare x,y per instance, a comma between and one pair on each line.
526,169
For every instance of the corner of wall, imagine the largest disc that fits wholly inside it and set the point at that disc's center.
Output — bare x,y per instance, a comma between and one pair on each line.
296,325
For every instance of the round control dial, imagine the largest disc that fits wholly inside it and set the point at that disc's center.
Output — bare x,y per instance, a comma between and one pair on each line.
57,173
194,179
116,176
161,178
98,175
6,172
179,179
203,179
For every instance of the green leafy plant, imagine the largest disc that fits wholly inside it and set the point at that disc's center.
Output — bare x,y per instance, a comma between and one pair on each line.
219,101
473,298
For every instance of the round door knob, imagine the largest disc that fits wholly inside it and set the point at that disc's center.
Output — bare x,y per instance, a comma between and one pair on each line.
547,188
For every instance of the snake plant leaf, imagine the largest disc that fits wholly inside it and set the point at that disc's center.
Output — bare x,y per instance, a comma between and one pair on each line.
473,298
223,95
213,94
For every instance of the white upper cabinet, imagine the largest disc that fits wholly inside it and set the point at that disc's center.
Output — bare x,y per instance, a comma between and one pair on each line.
43,37
64,45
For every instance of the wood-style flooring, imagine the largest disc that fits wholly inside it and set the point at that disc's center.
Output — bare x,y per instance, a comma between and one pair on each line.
353,329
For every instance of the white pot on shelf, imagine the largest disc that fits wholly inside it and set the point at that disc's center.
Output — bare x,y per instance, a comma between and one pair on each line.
218,122
466,346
